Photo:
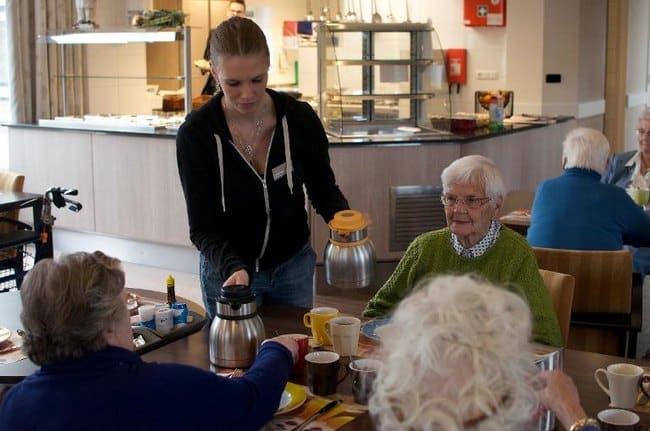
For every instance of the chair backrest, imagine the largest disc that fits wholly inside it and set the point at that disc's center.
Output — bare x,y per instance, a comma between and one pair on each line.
10,182
516,200
603,279
560,287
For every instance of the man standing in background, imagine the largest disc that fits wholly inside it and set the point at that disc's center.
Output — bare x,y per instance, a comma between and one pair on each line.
235,8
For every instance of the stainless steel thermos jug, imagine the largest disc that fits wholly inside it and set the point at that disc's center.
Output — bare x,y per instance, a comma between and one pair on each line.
237,330
349,257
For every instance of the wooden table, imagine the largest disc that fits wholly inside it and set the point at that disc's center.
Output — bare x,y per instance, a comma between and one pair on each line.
282,319
278,319
516,222
581,366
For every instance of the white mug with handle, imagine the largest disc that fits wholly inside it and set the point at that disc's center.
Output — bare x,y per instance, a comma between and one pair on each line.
623,383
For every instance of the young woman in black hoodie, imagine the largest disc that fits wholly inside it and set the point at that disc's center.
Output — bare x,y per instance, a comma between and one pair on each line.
244,159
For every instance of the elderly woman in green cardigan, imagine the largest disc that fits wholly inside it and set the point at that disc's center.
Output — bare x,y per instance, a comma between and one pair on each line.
474,241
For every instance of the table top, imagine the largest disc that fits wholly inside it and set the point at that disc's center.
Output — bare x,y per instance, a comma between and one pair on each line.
282,319
515,219
11,200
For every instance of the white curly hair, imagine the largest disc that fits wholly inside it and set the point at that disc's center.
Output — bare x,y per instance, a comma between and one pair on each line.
456,356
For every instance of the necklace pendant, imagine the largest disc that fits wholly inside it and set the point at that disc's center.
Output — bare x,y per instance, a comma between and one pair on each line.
249,150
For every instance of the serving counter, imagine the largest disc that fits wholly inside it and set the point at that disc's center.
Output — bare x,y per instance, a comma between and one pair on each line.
129,185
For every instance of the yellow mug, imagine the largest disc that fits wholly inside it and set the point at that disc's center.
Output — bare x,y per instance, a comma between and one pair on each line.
316,319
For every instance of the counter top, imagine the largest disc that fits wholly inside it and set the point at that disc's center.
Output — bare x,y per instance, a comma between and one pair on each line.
377,139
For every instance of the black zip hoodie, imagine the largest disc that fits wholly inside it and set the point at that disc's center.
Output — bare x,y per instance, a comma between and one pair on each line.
239,219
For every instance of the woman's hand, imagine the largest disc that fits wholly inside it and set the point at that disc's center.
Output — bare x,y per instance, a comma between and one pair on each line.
288,342
559,394
238,277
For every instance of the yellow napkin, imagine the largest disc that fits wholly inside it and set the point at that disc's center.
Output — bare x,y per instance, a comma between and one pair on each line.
328,422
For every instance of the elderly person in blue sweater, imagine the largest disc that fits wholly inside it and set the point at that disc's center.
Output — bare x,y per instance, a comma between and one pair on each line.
77,328
577,211
633,167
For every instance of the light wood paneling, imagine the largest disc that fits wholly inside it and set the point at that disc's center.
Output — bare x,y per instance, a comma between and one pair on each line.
50,158
137,189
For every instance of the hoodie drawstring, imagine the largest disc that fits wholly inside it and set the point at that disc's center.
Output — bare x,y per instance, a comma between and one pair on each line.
287,156
287,153
220,160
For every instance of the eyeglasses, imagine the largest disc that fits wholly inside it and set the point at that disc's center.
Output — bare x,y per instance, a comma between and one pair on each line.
470,202
643,132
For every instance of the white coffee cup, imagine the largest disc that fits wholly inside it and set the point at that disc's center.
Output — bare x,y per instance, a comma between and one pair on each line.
623,383
164,319
618,419
344,333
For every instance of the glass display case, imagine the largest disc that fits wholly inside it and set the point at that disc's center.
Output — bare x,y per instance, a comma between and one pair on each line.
384,79
126,79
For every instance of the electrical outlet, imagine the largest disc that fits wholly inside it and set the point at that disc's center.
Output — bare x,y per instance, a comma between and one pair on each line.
487,74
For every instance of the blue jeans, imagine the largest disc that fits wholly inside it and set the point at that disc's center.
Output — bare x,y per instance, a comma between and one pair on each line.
291,282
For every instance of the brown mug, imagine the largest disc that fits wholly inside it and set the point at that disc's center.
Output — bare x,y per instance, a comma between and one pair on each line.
618,420
323,372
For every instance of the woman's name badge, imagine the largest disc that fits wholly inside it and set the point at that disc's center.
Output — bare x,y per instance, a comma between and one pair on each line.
279,171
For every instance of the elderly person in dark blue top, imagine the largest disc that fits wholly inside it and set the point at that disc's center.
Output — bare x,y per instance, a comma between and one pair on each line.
577,211
632,166
78,329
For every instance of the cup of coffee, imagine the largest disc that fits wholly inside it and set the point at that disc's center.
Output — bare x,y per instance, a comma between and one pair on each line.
618,420
344,333
303,349
316,319
623,383
363,373
323,372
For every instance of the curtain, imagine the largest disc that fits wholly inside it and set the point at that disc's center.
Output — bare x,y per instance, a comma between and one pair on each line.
44,78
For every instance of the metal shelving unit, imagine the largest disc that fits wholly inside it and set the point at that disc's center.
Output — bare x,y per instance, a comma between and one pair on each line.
378,78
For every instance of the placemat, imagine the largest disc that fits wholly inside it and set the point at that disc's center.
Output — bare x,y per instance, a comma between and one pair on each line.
330,421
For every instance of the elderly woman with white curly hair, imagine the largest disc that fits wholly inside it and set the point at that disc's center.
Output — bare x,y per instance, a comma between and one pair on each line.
473,242
456,356
577,211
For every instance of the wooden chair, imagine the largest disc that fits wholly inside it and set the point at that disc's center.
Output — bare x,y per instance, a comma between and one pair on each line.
11,259
560,287
607,305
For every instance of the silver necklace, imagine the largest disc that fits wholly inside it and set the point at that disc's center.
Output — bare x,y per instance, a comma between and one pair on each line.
248,147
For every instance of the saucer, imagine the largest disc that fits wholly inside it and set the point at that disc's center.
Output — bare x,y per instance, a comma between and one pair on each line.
369,329
293,397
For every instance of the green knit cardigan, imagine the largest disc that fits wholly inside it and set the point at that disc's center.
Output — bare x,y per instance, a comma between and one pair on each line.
510,262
